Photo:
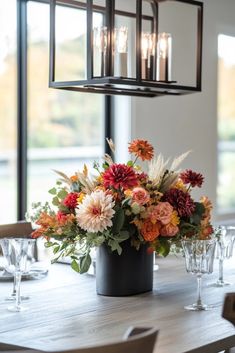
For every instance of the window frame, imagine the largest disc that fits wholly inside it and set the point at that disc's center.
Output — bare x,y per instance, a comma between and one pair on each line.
229,216
22,114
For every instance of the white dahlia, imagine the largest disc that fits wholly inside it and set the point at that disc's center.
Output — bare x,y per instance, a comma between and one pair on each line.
95,212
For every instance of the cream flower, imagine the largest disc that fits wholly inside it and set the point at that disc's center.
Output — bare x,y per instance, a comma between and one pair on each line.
94,214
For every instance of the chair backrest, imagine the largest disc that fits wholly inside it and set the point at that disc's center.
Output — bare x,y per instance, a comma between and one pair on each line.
136,340
228,312
19,229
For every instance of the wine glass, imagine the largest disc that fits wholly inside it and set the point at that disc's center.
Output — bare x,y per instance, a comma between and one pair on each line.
15,251
225,241
9,256
199,258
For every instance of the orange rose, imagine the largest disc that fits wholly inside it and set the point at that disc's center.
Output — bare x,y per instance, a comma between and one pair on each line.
162,212
169,230
150,231
140,196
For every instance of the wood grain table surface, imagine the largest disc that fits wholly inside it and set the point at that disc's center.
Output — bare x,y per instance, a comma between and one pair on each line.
64,311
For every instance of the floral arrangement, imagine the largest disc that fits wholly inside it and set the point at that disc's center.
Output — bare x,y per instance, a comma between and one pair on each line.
122,202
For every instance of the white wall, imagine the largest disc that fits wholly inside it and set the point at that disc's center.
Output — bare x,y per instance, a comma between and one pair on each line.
177,124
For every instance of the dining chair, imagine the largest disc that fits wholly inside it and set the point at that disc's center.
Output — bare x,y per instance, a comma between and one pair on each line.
17,230
228,312
135,340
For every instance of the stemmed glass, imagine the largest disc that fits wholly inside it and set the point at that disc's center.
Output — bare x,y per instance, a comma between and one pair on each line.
199,258
225,242
9,256
15,251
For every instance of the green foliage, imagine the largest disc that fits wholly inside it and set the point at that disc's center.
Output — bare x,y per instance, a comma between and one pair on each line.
85,262
163,247
75,266
197,214
118,220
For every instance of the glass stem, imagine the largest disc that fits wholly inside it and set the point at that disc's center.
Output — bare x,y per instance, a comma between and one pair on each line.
14,287
199,290
17,287
221,270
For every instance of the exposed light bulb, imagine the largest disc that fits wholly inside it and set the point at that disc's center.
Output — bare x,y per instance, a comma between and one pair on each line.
121,38
100,38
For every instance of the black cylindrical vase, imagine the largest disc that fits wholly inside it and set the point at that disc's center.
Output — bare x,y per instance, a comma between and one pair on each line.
126,274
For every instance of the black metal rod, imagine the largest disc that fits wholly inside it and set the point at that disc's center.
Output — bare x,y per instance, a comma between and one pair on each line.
21,108
199,47
108,123
89,40
138,39
52,43
155,31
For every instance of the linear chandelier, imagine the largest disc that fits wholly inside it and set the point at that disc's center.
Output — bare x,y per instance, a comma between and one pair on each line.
142,48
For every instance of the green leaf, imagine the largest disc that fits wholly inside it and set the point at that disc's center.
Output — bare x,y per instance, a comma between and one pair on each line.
56,249
114,245
52,191
75,266
118,220
163,247
62,194
85,262
48,244
196,217
55,201
130,164
64,246
105,166
123,235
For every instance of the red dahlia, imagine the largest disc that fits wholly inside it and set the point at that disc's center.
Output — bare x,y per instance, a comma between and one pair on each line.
71,200
192,178
181,201
120,176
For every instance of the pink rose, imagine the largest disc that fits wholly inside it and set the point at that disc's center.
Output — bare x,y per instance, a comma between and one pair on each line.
140,196
162,212
169,230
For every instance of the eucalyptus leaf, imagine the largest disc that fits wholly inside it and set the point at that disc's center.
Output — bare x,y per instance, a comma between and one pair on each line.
56,249
75,265
85,262
163,247
114,245
55,201
52,191
48,244
62,194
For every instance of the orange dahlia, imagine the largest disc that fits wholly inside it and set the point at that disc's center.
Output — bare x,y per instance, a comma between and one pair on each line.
141,149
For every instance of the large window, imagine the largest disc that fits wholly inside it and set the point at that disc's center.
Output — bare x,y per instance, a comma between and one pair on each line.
226,124
8,104
64,129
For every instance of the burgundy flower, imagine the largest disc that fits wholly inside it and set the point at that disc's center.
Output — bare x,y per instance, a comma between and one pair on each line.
71,200
193,178
120,176
181,201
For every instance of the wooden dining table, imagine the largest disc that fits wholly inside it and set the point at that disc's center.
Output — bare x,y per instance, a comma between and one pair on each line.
64,311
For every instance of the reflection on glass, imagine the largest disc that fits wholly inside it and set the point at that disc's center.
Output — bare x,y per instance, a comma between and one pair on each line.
100,35
226,124
65,128
71,38
121,45
164,57
8,110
